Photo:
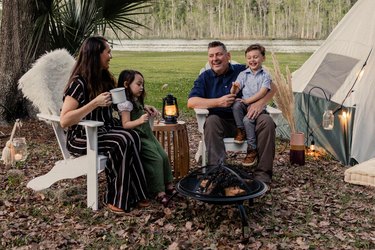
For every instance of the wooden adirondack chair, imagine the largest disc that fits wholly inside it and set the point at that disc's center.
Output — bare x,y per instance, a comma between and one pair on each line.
43,85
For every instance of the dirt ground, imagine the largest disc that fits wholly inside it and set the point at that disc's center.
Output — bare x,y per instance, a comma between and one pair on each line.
307,207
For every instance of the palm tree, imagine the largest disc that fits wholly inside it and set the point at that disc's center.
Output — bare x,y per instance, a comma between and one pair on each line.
31,27
69,22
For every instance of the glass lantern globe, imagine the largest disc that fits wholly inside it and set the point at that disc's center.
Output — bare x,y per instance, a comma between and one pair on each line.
19,152
328,120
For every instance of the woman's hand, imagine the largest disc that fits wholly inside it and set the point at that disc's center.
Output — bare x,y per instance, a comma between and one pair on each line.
103,100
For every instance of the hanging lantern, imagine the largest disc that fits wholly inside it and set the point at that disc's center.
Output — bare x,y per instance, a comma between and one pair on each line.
312,145
170,109
328,120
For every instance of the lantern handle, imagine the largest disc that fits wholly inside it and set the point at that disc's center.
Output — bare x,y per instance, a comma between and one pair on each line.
178,113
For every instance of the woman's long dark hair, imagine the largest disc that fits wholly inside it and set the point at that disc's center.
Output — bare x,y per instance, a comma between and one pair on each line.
125,78
88,66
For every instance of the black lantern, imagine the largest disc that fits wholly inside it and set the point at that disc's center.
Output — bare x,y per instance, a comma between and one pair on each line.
170,109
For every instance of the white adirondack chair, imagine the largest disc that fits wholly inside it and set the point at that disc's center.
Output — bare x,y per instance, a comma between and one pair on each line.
201,115
43,85
72,167
229,143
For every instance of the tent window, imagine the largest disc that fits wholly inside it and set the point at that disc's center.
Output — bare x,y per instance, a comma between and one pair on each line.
331,74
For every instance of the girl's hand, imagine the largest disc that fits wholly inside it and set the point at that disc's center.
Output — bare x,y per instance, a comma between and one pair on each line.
104,99
144,118
151,110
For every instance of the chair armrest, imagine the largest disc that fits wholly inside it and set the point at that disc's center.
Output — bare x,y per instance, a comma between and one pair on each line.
273,110
90,127
201,115
274,113
56,118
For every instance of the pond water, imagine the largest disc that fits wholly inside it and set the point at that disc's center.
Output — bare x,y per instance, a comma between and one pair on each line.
288,46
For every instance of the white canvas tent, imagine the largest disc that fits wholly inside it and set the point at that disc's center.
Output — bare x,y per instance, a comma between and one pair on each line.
343,69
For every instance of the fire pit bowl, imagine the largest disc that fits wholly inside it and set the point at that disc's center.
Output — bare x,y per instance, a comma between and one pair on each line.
210,184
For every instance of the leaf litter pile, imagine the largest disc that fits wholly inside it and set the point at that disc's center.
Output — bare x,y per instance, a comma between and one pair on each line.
307,207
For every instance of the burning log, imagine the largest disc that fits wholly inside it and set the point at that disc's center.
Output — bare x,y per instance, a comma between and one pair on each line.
222,181
234,191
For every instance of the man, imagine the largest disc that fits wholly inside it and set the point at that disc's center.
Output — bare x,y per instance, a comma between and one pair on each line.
211,90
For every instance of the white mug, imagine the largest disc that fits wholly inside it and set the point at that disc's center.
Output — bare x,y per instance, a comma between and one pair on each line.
118,95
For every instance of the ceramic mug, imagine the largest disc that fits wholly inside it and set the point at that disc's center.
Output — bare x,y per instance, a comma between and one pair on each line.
118,95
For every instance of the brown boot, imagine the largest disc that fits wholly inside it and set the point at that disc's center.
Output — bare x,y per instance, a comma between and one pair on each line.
251,158
240,136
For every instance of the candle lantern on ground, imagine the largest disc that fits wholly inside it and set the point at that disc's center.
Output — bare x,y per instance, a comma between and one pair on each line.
170,109
19,149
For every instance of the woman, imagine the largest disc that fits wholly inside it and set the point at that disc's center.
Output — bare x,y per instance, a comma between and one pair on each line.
87,96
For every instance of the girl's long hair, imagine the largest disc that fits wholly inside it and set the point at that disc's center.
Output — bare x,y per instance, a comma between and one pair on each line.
125,78
88,66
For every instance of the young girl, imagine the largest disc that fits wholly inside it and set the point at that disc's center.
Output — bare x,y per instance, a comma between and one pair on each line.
135,115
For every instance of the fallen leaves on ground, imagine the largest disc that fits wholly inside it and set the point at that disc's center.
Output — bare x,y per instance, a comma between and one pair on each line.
307,207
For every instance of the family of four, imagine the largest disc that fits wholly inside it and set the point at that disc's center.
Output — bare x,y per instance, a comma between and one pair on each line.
137,167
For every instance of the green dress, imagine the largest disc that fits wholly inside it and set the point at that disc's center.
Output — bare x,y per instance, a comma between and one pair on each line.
154,159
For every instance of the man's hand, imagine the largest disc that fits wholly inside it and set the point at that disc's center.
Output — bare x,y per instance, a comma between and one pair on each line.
226,100
254,110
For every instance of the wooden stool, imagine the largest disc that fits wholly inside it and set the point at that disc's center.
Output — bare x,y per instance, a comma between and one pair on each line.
174,140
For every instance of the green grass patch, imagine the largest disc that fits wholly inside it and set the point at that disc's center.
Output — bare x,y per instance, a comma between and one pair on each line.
179,70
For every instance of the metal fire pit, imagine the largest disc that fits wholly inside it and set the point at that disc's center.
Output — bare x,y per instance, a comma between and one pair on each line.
229,176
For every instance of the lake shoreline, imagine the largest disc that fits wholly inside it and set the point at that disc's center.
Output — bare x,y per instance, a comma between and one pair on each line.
184,45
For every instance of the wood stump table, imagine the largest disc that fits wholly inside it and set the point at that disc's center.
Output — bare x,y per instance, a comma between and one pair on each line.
174,139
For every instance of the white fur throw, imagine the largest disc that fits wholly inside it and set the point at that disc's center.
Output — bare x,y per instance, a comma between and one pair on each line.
44,83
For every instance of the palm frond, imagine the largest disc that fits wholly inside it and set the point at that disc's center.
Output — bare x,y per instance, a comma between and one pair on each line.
68,22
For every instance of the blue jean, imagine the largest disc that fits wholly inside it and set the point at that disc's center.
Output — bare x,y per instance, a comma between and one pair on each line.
243,122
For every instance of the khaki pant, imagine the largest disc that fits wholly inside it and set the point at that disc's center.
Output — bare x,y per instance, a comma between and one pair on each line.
216,128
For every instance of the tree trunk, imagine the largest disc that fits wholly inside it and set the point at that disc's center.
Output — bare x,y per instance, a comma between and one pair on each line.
16,30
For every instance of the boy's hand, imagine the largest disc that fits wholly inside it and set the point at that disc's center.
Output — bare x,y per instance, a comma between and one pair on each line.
235,88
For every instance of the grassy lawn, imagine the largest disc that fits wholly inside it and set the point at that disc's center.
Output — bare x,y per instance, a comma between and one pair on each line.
179,70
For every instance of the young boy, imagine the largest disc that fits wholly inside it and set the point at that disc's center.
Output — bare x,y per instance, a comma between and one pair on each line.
254,82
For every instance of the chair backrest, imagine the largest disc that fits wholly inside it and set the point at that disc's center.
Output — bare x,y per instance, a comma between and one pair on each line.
61,140
44,83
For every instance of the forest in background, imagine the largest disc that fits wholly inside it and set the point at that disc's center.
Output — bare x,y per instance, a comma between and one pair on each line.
241,19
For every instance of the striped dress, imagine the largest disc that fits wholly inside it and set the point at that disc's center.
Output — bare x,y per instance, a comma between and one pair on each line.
126,182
